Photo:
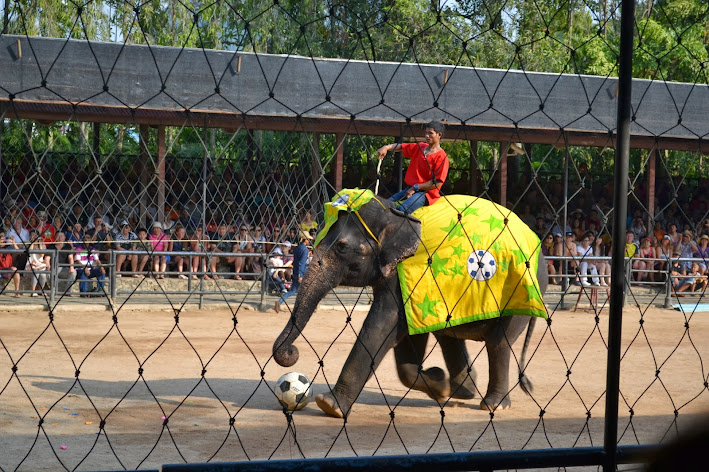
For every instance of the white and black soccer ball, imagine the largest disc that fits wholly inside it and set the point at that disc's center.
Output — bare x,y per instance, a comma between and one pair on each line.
293,390
481,265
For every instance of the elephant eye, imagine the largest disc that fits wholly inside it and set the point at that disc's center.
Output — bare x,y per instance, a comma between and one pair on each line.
341,245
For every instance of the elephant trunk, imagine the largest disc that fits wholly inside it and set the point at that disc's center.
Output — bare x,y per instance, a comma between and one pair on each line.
312,289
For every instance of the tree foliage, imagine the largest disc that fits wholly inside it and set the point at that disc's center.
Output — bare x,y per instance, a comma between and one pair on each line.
558,36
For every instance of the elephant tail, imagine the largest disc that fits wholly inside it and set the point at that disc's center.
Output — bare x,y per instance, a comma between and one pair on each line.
524,381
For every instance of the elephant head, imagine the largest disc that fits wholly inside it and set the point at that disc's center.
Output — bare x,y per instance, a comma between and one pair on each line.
361,248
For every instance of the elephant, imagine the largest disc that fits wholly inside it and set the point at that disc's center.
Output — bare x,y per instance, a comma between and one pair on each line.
363,248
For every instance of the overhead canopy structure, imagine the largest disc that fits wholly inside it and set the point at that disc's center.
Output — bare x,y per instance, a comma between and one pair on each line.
50,79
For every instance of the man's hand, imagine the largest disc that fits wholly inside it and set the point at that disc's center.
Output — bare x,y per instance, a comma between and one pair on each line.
382,152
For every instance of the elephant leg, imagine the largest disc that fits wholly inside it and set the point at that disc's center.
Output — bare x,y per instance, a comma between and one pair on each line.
499,350
455,353
382,329
409,354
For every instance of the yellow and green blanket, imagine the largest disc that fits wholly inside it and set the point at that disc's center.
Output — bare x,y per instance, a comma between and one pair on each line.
477,260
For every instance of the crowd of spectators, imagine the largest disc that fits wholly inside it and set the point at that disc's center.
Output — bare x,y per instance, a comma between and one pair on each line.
86,236
574,249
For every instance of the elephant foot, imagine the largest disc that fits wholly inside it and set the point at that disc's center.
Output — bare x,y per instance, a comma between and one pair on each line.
462,391
327,403
494,402
433,383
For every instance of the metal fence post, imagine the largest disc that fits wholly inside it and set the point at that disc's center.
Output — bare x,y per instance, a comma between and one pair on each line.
112,277
620,205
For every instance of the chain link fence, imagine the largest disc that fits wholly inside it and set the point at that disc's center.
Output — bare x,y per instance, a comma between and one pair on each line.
143,214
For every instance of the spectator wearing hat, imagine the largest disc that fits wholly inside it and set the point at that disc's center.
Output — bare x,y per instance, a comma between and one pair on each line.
663,251
301,253
124,241
687,247
159,242
703,253
276,271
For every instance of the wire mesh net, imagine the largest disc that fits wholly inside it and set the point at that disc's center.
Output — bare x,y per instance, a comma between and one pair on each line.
144,213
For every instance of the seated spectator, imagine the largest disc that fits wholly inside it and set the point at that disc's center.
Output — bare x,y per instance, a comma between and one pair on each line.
76,235
678,273
658,232
673,234
703,253
38,263
123,241
198,243
181,244
639,229
88,267
703,228
664,253
687,248
548,252
584,251
243,245
46,230
159,242
222,242
276,271
645,263
77,215
540,228
700,281
568,250
66,274
22,238
307,221
142,244
100,235
7,269
259,243
603,267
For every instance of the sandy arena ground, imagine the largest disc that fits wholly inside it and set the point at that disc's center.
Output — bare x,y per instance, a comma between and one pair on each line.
108,358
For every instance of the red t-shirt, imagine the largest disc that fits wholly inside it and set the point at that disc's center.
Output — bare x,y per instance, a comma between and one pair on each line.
47,233
424,168
5,261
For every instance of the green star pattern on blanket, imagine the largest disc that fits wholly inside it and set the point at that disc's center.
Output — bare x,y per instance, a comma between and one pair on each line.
476,260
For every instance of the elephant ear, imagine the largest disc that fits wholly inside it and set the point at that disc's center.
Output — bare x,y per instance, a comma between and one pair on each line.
399,239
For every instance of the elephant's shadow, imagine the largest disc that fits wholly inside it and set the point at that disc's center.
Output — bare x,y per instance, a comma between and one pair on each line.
230,390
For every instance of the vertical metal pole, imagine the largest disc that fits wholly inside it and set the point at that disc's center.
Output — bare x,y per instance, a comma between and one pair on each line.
474,169
160,171
565,281
204,216
2,158
339,160
504,147
620,205
112,278
399,164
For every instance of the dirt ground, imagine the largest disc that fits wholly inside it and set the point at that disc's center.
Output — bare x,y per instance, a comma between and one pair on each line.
168,391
